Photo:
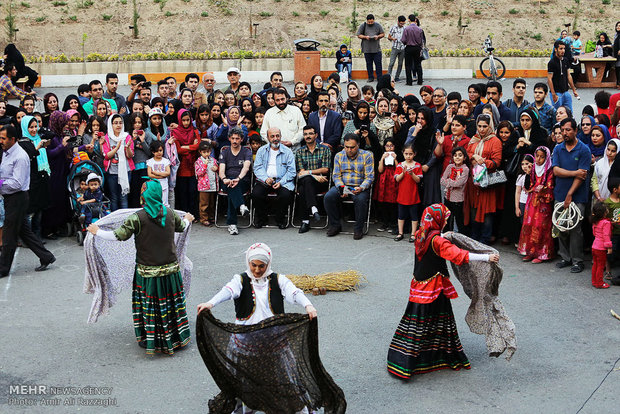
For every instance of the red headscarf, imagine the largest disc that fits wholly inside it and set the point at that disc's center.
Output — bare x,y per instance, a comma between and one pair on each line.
185,136
434,218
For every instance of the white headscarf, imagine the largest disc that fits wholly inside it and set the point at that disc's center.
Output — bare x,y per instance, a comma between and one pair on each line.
602,167
261,252
123,175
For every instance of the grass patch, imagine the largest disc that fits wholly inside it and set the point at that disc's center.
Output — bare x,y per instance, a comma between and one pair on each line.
445,13
513,11
324,13
204,14
59,3
537,36
25,5
169,14
107,17
266,14
542,11
386,14
84,4
477,12
40,19
73,18
295,14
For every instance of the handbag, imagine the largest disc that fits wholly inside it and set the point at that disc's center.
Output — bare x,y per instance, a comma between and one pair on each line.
512,167
424,53
484,179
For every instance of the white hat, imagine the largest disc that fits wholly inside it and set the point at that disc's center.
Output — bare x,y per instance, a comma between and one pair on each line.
93,176
233,69
155,111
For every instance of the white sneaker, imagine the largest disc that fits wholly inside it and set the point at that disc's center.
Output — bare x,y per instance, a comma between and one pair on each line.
244,210
232,229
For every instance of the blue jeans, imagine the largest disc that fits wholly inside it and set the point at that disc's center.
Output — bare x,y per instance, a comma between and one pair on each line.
564,99
113,191
482,231
332,202
235,200
345,66
376,59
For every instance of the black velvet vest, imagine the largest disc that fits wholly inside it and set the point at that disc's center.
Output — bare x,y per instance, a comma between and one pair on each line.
430,264
154,243
245,305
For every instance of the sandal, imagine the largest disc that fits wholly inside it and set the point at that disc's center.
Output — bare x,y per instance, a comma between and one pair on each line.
603,286
399,237
411,239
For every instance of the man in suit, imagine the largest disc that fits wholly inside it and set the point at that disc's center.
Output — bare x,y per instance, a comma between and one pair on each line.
327,123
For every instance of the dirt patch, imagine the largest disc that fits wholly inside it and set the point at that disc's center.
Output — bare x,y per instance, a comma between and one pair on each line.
52,27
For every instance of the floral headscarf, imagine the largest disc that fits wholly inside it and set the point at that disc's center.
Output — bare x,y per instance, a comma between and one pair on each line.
540,170
434,218
58,121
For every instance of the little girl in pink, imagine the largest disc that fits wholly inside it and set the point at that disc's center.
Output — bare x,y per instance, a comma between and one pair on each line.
601,229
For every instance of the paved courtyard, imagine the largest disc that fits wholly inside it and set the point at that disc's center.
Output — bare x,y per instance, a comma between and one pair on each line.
567,339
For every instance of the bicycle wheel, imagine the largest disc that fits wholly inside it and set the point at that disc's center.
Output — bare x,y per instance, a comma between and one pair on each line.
492,70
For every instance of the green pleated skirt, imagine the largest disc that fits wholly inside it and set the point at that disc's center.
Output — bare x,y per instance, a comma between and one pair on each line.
159,314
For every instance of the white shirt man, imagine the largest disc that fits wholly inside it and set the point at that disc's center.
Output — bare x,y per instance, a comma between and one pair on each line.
287,118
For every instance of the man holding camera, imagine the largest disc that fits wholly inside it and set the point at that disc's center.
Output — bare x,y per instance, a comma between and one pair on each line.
353,175
371,34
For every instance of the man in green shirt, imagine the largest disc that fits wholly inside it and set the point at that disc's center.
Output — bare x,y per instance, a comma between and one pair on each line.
96,93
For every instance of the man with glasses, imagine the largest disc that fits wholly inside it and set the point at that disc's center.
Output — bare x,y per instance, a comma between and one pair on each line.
353,175
452,108
312,162
96,93
233,74
326,121
518,103
545,110
208,86
439,114
287,118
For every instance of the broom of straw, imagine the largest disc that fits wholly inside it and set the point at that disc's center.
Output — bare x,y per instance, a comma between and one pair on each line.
347,280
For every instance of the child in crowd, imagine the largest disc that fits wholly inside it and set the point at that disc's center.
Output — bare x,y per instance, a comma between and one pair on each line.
369,95
259,116
93,194
256,142
454,180
576,45
83,93
206,173
386,188
344,60
408,176
158,168
520,193
80,191
601,229
536,242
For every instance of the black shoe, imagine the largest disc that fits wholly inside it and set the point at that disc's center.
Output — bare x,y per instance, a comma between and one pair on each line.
333,231
142,344
396,79
399,237
562,264
44,266
409,84
51,236
5,274
577,268
282,226
258,224
305,227
316,216
358,235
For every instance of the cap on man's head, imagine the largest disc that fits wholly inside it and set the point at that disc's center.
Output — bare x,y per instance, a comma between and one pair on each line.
233,69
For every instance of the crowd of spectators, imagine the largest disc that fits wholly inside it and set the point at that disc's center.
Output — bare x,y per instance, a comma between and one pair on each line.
500,163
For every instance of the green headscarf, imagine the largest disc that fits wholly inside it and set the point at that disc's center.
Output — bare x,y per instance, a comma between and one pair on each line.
152,202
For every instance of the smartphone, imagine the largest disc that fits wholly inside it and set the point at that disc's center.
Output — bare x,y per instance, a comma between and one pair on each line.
100,134
140,132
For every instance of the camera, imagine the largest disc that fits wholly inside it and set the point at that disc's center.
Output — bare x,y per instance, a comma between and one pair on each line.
364,128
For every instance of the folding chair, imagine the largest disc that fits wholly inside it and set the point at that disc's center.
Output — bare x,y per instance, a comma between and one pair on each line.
320,196
350,202
271,226
246,196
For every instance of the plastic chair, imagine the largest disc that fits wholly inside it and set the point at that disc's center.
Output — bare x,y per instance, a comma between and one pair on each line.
246,196
319,195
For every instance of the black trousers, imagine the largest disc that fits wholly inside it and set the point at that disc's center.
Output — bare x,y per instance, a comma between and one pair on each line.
308,188
31,74
413,63
282,200
186,195
16,225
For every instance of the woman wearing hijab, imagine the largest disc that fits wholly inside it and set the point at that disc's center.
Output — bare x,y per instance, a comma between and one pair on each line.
186,140
39,192
602,168
59,158
492,110
232,119
354,96
424,142
507,228
73,102
259,293
484,149
316,86
118,164
362,127
616,53
50,103
158,298
427,338
385,122
426,93
531,134
386,82
536,243
11,54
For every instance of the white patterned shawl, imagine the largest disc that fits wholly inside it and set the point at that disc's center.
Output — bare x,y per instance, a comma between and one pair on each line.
486,314
110,265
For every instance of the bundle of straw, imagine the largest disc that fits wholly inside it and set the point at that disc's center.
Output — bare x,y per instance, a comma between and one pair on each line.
348,280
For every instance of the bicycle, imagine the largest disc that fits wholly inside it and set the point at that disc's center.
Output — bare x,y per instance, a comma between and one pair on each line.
491,67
